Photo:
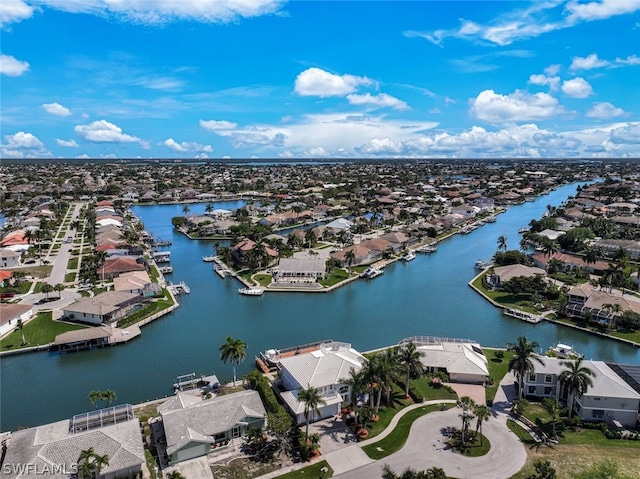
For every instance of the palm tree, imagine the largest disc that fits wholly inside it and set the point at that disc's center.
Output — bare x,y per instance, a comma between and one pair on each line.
233,350
576,379
482,413
46,289
521,363
208,208
312,400
549,247
310,238
467,405
20,327
388,370
58,288
502,243
93,397
357,382
592,255
186,209
553,407
109,396
409,358
350,258
175,475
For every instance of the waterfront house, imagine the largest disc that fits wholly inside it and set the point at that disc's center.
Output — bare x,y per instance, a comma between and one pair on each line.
611,246
362,255
240,250
324,368
502,274
52,450
193,426
115,266
569,263
585,300
462,359
103,308
610,398
11,313
136,282
300,270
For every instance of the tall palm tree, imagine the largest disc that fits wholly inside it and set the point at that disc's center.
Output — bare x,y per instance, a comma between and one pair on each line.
409,358
502,243
549,247
186,209
20,327
551,405
208,208
482,413
93,397
389,368
467,405
46,289
576,379
233,350
521,363
357,383
109,396
312,401
58,288
350,258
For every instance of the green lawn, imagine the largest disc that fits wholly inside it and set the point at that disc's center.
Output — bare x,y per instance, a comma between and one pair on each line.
394,441
336,276
497,371
423,387
41,330
313,471
73,263
506,299
153,308
263,279
69,277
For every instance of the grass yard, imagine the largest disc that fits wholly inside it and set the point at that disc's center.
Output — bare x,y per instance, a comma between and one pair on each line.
151,309
69,277
41,330
497,371
336,276
312,471
506,299
394,441
263,279
73,263
424,387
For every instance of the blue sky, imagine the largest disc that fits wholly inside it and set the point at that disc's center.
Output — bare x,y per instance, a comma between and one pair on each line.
317,79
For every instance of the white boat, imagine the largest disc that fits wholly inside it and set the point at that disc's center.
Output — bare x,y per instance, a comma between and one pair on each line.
523,230
222,272
251,291
410,256
564,351
166,269
209,259
162,256
428,248
480,264
371,272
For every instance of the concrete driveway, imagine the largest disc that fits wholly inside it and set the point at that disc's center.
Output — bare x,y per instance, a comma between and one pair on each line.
334,434
474,391
425,448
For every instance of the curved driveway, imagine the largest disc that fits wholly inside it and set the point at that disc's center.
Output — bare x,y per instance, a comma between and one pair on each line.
425,448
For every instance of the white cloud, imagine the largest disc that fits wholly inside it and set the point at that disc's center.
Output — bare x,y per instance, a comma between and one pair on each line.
605,110
382,100
516,107
599,10
102,131
12,67
536,19
552,70
628,134
552,82
67,143
217,125
56,109
23,145
317,82
166,11
577,88
631,60
186,146
588,63
12,11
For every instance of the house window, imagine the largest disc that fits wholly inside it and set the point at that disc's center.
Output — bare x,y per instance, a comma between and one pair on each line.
532,377
532,389
597,413
236,431
548,378
548,390
220,436
596,399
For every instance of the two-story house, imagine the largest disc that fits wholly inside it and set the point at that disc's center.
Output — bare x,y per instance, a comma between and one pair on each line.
324,369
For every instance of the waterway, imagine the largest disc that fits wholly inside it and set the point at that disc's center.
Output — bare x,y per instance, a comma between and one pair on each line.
428,296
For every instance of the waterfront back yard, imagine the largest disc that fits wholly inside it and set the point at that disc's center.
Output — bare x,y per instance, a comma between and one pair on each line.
41,330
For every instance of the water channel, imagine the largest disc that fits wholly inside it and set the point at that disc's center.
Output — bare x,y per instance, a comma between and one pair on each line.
428,296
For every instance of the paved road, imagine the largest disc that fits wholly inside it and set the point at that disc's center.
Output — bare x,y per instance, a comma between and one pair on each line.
64,253
425,448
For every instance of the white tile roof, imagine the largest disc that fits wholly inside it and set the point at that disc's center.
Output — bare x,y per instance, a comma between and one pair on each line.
455,357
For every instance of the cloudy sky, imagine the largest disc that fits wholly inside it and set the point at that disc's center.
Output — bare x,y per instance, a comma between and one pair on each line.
301,78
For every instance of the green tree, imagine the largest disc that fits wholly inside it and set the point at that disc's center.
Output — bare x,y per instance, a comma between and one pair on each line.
46,289
502,243
93,397
20,327
467,405
350,258
175,475
108,396
551,405
409,358
90,464
521,363
482,413
59,288
233,350
544,470
312,401
576,379
606,469
186,209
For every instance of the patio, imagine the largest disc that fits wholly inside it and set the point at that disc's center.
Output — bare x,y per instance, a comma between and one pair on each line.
334,434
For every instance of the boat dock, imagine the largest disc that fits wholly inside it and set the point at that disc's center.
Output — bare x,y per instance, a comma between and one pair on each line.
268,360
528,317
162,256
179,288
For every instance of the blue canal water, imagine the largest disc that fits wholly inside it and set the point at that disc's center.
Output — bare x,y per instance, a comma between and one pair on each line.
428,296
